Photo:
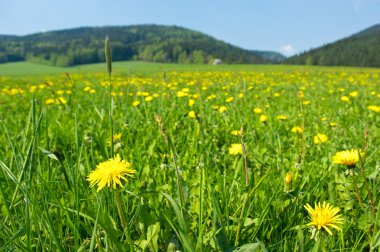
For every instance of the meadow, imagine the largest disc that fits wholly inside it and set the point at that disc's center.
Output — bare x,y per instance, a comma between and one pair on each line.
226,158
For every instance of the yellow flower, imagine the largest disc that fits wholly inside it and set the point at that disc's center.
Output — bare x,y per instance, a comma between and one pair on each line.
192,114
49,101
230,99
222,109
61,100
345,98
288,177
235,149
281,117
257,110
324,216
374,108
288,181
347,157
181,94
191,102
136,103
354,94
235,132
116,137
148,98
306,102
263,118
320,138
297,129
110,173
333,124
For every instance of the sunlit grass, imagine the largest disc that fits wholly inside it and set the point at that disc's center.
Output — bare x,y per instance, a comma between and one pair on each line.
191,191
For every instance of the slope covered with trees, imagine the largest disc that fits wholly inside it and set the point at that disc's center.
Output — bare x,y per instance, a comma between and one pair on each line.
139,42
360,49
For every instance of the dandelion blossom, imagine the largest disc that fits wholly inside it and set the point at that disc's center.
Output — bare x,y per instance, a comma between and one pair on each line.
324,216
135,103
297,129
235,132
192,114
110,173
281,117
222,109
374,108
235,149
257,110
263,118
348,157
320,138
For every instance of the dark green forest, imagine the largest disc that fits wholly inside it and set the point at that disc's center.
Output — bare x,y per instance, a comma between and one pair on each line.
155,43
361,49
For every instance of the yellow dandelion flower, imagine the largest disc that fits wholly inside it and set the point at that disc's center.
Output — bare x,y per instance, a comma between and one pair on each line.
297,129
222,109
235,149
333,124
281,117
192,114
345,98
288,181
235,132
110,173
320,138
49,101
263,118
181,94
60,100
230,99
325,216
191,102
116,137
347,157
148,98
306,102
288,177
257,110
374,108
354,94
135,103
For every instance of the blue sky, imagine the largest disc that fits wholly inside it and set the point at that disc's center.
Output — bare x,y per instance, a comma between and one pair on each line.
286,26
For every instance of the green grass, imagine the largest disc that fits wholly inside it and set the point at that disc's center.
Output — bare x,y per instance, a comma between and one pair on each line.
189,193
22,69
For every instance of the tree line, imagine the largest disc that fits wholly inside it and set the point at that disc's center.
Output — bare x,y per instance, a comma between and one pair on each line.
154,43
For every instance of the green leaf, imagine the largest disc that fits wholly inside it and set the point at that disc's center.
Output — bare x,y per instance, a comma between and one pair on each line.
250,247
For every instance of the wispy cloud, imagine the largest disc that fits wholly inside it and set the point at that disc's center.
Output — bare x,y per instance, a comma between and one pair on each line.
287,50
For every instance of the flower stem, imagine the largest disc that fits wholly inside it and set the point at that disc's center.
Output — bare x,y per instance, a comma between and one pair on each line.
357,191
121,215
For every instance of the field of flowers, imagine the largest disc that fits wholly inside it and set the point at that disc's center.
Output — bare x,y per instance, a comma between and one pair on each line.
282,160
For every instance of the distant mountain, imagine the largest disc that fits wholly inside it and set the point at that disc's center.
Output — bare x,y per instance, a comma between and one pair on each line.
271,56
361,49
155,43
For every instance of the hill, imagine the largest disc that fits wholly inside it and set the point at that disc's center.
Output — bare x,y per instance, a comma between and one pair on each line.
361,49
154,43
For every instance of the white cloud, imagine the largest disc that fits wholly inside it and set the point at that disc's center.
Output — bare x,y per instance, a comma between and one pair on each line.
287,50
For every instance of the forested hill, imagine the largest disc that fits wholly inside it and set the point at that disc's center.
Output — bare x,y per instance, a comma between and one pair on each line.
360,49
155,43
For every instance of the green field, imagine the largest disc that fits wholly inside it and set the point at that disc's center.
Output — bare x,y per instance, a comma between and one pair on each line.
226,158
